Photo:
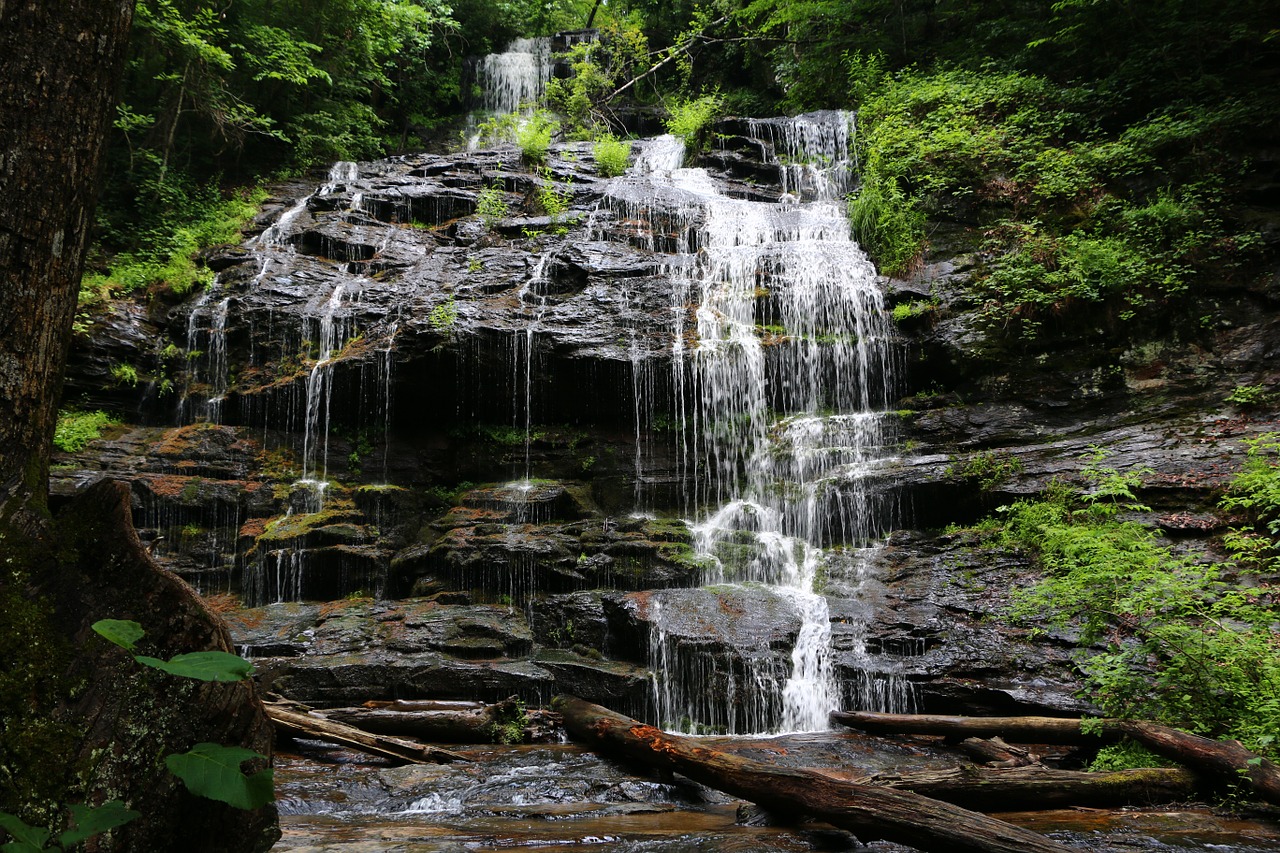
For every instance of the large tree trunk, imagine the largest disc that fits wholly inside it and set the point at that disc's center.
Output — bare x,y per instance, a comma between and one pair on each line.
59,64
1222,759
868,812
80,721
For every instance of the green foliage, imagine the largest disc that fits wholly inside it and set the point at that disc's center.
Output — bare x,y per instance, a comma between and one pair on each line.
87,821
1163,636
1249,396
76,429
443,316
598,68
491,206
124,374
555,201
906,311
164,255
509,721
691,118
1126,755
125,633
612,155
989,468
1255,493
533,135
888,223
1131,216
212,770
203,666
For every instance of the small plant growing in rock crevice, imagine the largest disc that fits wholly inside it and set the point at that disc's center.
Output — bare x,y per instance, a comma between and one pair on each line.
491,207
612,155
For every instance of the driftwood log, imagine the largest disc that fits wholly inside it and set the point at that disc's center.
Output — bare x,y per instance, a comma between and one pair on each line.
1034,788
867,811
298,723
437,722
1220,759
994,752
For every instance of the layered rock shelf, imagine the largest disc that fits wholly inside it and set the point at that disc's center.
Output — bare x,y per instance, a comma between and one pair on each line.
414,451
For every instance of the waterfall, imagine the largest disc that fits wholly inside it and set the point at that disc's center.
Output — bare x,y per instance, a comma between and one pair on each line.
782,370
516,76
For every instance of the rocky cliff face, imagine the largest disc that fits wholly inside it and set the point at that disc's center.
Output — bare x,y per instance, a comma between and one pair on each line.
400,439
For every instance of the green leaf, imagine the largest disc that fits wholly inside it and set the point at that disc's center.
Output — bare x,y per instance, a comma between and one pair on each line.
26,838
212,770
125,633
206,666
90,821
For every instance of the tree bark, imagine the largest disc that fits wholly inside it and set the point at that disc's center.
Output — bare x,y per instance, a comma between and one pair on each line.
1222,759
301,724
1035,788
433,724
1055,730
869,812
115,720
59,64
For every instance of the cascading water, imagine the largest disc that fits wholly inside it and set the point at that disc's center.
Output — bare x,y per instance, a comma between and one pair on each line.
785,365
515,77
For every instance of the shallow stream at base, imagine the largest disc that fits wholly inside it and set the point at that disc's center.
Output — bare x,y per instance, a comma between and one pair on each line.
562,797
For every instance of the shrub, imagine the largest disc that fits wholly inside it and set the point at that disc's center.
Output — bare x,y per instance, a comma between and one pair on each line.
1162,636
612,155
691,118
76,429
533,135
491,206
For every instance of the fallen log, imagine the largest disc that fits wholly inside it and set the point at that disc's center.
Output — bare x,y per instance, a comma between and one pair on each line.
1036,788
994,752
476,724
301,724
1222,759
869,812
1055,730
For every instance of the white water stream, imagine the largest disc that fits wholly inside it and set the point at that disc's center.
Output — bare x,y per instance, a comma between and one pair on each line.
784,364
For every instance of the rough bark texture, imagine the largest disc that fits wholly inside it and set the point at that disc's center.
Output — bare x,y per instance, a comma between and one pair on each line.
1035,788
433,722
133,716
1056,730
301,724
1222,759
59,63
868,812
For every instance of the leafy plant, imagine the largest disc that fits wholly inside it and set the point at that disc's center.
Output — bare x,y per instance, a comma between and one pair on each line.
443,316
1248,396
989,468
208,769
491,206
76,429
612,155
1163,636
124,374
692,117
86,822
555,201
533,135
